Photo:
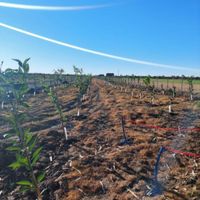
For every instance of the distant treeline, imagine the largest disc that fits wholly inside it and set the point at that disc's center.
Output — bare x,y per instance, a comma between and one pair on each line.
44,76
40,78
161,77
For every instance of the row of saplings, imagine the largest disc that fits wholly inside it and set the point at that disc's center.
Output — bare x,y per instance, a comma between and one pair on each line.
147,83
153,90
23,144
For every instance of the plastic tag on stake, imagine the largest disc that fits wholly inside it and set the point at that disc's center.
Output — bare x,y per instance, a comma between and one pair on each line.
170,108
50,158
78,113
66,134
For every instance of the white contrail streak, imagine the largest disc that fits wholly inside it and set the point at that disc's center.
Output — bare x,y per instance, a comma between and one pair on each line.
49,8
96,52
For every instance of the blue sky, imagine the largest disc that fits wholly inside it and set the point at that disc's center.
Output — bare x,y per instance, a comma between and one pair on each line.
158,31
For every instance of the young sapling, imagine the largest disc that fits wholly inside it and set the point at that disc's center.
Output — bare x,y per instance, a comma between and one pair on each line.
190,83
26,150
82,82
55,101
170,102
151,89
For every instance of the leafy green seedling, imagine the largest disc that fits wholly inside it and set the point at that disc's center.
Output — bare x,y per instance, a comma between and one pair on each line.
55,101
151,89
23,142
82,82
190,83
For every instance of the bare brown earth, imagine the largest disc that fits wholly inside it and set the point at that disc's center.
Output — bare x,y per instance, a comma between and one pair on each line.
92,165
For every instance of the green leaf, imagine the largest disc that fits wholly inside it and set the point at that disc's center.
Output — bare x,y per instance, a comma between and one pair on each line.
40,177
36,156
13,148
32,142
25,183
15,165
25,188
37,152
28,136
26,68
18,61
35,160
22,160
26,60
25,65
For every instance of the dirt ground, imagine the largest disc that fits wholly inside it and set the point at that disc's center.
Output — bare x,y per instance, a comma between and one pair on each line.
93,164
